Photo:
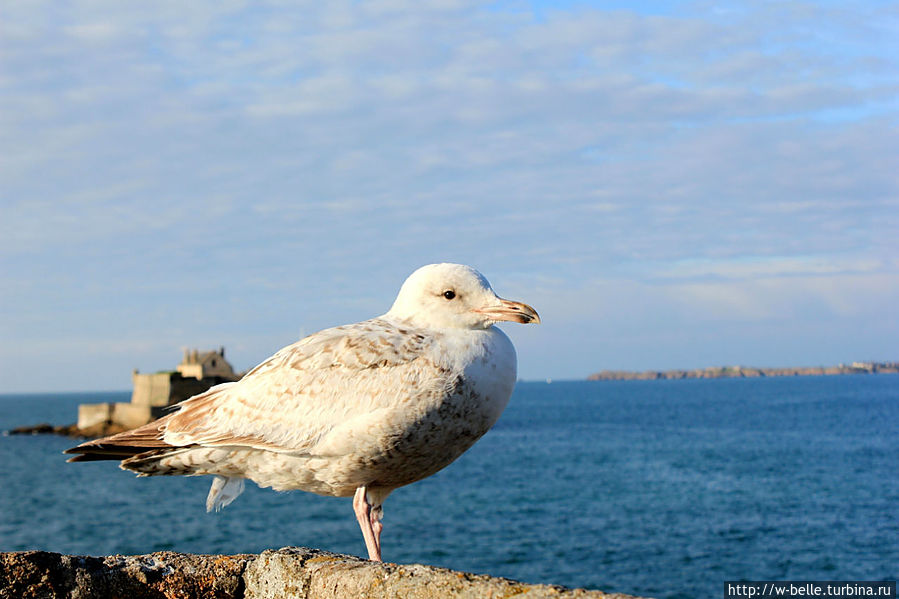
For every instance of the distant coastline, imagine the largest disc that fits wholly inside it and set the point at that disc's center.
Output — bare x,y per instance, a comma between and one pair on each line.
746,372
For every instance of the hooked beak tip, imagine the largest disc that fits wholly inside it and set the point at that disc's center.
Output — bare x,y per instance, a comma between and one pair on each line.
512,312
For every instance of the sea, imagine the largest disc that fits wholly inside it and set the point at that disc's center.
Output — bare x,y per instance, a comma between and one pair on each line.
654,488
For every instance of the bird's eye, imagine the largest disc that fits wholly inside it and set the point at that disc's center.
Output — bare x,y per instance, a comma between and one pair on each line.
449,294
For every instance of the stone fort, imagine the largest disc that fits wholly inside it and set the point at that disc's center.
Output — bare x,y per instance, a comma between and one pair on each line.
154,393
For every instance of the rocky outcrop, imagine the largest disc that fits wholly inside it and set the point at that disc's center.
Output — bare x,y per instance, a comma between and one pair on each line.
292,572
69,430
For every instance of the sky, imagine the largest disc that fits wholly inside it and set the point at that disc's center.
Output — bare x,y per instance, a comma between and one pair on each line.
670,184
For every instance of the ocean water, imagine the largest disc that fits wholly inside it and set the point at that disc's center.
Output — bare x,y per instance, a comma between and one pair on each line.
655,488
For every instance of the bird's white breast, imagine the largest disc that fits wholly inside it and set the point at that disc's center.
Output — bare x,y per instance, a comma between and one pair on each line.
468,381
489,369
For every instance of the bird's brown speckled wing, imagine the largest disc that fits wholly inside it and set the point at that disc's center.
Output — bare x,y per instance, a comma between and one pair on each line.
290,401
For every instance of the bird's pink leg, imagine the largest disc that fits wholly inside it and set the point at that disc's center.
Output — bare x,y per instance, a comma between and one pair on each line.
376,526
370,523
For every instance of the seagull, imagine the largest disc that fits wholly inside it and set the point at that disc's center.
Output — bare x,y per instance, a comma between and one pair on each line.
356,410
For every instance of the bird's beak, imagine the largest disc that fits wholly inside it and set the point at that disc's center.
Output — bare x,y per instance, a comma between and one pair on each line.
512,311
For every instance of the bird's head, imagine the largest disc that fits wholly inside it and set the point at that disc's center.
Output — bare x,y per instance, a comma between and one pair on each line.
455,296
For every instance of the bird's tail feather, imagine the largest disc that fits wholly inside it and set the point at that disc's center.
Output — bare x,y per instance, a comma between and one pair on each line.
123,445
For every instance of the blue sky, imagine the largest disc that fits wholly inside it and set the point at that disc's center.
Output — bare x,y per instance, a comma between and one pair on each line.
671,185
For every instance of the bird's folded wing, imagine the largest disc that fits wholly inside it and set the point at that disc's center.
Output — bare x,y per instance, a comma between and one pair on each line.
291,401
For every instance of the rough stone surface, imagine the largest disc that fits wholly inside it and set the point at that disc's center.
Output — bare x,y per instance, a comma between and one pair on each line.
292,572
163,575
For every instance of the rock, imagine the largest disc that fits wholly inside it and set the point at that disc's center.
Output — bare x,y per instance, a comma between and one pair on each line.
69,430
292,572
37,429
163,575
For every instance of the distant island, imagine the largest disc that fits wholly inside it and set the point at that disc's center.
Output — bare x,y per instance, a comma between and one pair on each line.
746,372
